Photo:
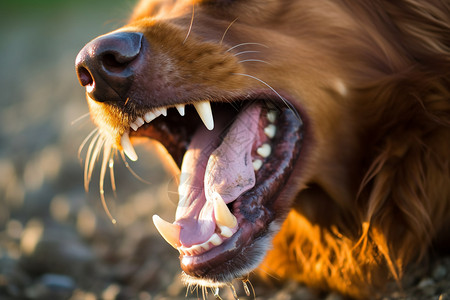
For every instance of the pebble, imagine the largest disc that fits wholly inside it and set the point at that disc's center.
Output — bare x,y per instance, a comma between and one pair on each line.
54,250
439,272
51,286
425,282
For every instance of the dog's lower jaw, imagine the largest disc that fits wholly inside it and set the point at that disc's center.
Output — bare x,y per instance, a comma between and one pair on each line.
241,270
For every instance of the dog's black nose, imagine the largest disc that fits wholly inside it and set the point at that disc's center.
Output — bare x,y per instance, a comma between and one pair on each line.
105,65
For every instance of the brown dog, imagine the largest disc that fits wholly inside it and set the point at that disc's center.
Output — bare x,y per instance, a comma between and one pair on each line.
312,136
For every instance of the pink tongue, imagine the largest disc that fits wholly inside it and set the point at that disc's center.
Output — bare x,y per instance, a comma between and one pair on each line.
228,168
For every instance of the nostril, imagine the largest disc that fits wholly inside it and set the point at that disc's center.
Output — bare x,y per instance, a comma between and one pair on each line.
116,51
115,62
84,76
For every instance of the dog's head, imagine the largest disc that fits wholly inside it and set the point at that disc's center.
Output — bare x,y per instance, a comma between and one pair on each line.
254,101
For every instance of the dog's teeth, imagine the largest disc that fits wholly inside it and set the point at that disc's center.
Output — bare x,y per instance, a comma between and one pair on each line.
264,150
194,250
215,240
128,147
163,111
170,232
204,111
270,130
257,164
134,126
180,108
222,213
139,122
150,116
205,246
225,231
272,116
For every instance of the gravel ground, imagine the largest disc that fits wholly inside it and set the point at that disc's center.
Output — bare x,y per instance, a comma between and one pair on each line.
55,239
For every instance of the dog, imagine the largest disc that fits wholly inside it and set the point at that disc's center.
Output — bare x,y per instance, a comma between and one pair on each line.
312,137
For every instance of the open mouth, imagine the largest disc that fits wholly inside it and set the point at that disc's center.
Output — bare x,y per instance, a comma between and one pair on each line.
235,159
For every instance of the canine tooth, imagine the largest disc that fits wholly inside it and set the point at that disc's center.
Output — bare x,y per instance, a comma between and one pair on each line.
150,116
134,126
264,150
225,231
204,111
223,215
270,130
257,164
170,232
180,108
271,116
215,240
128,147
139,122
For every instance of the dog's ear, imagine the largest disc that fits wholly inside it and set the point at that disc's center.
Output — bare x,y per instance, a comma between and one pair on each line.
407,184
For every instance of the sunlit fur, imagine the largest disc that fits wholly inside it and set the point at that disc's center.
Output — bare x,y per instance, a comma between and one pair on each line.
372,189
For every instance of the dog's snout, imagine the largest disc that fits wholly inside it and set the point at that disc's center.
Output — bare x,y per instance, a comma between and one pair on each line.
105,66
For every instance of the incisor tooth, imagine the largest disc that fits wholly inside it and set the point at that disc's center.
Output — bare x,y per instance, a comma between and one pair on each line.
264,150
150,116
170,232
134,126
163,111
139,122
180,108
223,215
204,111
128,147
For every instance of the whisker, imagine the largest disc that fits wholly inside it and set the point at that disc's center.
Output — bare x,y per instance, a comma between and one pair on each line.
244,52
111,173
88,160
187,290
216,293
122,154
192,23
245,44
85,141
264,268
95,156
226,30
246,289
254,60
80,118
233,291
107,145
273,90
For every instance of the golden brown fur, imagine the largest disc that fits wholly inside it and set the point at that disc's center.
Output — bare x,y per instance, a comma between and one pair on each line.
373,79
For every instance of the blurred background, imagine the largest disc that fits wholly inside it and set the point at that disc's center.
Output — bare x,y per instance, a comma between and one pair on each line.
56,241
